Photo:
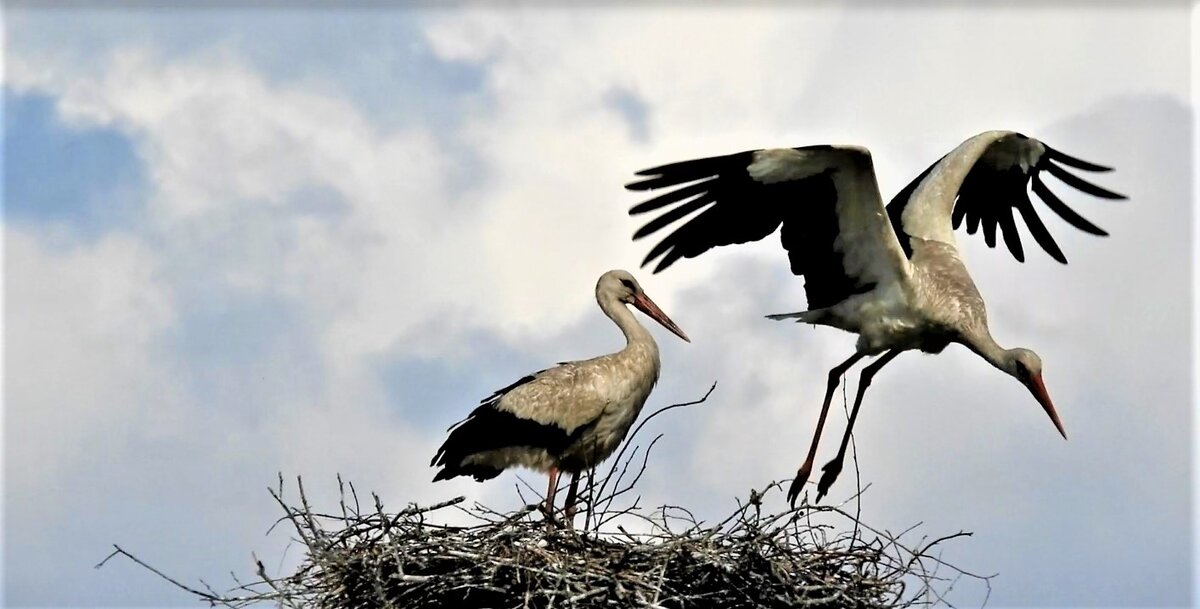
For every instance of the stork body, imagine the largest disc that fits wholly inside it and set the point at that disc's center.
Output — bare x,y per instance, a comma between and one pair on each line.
569,417
935,307
891,274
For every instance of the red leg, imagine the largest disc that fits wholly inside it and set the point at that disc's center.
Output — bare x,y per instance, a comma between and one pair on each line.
833,468
835,375
548,504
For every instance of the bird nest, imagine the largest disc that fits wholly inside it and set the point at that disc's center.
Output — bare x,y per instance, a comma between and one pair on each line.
618,556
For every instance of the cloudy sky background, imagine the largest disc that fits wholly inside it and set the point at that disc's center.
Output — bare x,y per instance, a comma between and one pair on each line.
246,241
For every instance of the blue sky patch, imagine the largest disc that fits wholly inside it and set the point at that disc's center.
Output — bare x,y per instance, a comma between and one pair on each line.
432,394
632,109
242,353
88,178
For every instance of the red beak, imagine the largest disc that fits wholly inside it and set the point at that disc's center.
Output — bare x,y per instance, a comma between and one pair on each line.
1038,389
647,306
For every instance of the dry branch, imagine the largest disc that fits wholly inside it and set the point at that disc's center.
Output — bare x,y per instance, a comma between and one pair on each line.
358,557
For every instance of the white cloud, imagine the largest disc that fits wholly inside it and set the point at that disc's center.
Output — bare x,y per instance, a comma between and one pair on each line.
68,311
371,241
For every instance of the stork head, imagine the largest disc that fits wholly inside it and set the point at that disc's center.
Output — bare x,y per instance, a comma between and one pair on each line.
1026,366
620,286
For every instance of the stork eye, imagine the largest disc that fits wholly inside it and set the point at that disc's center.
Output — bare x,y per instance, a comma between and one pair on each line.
629,284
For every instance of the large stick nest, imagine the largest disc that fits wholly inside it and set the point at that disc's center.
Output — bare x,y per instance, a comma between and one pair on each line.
812,556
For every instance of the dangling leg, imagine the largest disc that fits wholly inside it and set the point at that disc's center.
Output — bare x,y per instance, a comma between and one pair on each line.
548,504
802,474
572,495
833,468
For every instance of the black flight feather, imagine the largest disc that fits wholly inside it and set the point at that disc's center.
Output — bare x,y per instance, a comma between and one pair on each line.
1066,213
1079,183
670,197
489,428
1036,228
736,208
1071,161
989,193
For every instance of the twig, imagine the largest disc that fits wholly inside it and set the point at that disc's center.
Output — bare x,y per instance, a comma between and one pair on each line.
118,551
813,556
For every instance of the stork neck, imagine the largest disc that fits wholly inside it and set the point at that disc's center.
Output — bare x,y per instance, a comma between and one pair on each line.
635,332
981,342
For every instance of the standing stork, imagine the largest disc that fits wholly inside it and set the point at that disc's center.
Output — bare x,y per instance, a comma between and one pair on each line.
569,417
890,274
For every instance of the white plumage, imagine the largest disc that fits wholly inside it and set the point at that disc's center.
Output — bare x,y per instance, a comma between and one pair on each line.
569,417
891,274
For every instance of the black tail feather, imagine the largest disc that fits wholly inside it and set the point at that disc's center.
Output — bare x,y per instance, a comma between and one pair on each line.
479,472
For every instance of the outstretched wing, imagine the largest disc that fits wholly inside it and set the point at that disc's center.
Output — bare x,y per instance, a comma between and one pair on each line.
982,182
835,229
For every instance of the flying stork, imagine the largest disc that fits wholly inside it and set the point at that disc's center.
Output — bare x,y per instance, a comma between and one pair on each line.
893,274
567,418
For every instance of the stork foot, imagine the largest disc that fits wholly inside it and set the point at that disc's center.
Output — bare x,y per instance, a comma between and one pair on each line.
552,521
831,471
798,482
548,514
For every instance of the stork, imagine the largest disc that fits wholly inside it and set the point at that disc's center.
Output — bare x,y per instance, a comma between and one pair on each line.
893,274
567,418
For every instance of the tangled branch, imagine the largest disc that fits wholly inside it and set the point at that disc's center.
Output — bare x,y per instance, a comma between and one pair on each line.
811,556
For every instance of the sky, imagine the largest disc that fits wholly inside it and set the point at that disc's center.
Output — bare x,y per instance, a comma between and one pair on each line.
240,242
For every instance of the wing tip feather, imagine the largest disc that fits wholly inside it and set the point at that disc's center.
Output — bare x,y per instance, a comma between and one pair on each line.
1075,162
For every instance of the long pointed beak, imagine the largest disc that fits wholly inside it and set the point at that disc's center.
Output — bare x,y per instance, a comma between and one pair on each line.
647,306
1038,389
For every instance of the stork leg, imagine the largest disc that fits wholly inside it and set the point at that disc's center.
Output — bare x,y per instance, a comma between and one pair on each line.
572,495
834,467
548,504
802,474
